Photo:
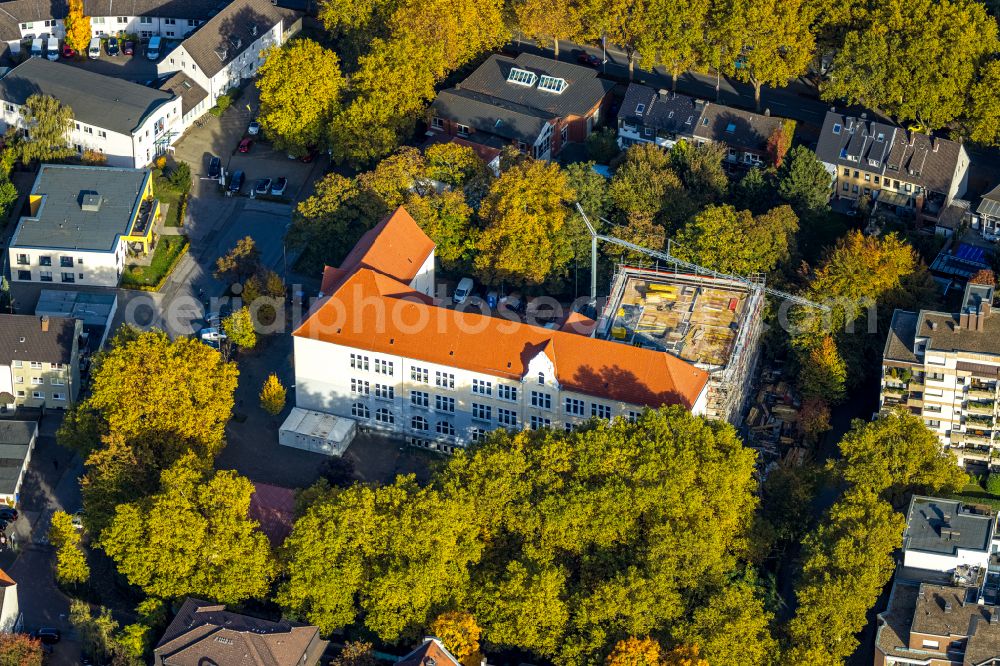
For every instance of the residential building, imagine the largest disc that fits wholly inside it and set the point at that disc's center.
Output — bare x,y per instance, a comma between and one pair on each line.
39,361
23,20
194,99
229,48
431,652
945,367
10,612
905,173
664,118
206,633
379,350
129,123
942,609
95,310
987,215
536,104
17,443
82,224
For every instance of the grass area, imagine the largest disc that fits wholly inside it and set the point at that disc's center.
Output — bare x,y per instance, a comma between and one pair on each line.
165,257
163,191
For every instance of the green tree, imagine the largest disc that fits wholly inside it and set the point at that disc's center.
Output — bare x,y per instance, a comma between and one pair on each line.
897,454
700,169
732,628
20,650
984,106
454,164
239,328
192,537
887,65
754,192
677,40
993,484
591,190
628,24
524,241
77,24
71,562
272,395
447,219
47,123
731,241
823,371
602,145
300,88
803,181
645,185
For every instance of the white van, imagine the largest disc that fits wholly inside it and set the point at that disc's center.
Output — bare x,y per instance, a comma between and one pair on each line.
94,50
153,48
463,290
53,49
36,48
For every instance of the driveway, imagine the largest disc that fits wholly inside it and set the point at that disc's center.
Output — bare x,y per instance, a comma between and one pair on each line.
136,68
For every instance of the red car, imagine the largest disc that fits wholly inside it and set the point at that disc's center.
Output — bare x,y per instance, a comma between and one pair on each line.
129,48
67,52
245,145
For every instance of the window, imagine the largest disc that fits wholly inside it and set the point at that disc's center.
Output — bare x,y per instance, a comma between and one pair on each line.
847,172
44,260
38,395
573,406
437,123
58,396
122,19
639,109
481,412
66,262
24,275
170,21
97,19
418,374
385,392
102,134
37,381
68,277
847,187
445,428
57,381
45,276
359,362
463,130
854,188
506,417
521,77
930,644
868,177
539,422
418,423
481,387
507,392
444,404
541,400
419,399
18,364
552,84
37,365
20,394
632,416
876,180
383,367
88,130
360,410
19,380
857,173
359,387
444,380
477,434
145,19
933,424
600,411
9,108
836,128
22,260
383,415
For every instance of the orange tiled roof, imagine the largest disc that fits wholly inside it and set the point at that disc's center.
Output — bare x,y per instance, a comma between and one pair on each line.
374,312
396,247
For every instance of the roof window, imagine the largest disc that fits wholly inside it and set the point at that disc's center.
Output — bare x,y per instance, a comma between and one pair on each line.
521,77
730,128
836,128
639,108
552,84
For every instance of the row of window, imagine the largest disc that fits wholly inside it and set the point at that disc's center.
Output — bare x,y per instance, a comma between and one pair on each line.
46,276
40,395
65,261
37,365
38,381
878,180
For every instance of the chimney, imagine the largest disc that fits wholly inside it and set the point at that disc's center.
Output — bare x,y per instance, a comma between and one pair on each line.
947,607
864,116
963,319
45,323
995,615
933,325
767,112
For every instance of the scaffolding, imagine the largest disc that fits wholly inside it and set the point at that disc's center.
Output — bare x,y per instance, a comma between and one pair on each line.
711,322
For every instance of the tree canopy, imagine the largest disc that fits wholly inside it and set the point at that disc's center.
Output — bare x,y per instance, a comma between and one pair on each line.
47,123
731,241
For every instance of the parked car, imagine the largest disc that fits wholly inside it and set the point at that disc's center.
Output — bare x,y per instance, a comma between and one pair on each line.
262,186
48,635
278,187
94,50
513,302
8,513
236,182
588,59
245,145
254,128
77,520
214,167
36,48
153,48
463,290
129,48
68,52
492,299
52,52
112,46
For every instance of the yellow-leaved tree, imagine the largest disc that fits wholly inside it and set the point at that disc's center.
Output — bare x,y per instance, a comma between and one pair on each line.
272,395
71,563
459,633
77,27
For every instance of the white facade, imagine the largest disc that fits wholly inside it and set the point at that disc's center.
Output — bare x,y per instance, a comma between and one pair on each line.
10,612
143,26
77,267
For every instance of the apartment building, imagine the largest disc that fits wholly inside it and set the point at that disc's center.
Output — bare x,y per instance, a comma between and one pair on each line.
228,48
83,223
131,124
946,368
904,173
379,349
39,361
535,104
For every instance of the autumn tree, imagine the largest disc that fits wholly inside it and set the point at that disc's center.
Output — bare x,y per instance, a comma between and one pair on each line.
677,38
300,88
636,652
684,655
458,632
547,22
700,169
803,181
240,262
923,76
731,241
101,639
192,537
272,395
590,189
454,164
646,185
47,123
984,106
356,653
628,24
71,562
779,142
77,24
239,328
814,418
447,219
524,240
639,230
20,650
823,372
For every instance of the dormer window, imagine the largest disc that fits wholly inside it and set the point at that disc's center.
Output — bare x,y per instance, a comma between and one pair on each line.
541,379
873,163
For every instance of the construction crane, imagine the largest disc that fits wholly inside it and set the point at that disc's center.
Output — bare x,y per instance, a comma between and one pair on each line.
669,258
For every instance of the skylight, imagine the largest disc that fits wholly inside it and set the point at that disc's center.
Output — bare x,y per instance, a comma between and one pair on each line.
730,128
639,108
836,128
552,84
521,77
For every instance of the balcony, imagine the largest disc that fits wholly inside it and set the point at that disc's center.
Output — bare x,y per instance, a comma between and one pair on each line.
980,391
980,407
980,419
893,390
974,453
973,438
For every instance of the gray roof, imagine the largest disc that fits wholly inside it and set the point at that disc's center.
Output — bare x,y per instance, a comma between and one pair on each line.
15,433
61,222
662,110
22,339
990,205
214,44
735,127
183,86
15,442
90,307
102,101
942,526
944,333
884,149
491,115
899,343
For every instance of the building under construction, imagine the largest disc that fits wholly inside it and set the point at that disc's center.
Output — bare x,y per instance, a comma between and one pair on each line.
712,322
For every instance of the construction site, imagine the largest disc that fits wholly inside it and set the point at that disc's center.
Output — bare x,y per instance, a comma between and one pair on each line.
711,322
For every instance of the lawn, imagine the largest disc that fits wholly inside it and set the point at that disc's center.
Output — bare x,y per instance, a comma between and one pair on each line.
166,255
168,195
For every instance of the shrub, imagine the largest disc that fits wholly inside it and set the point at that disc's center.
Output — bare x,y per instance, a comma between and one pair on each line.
94,158
161,162
180,177
221,104
602,146
993,484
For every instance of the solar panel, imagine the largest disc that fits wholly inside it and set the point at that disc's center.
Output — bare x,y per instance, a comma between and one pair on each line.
552,84
521,77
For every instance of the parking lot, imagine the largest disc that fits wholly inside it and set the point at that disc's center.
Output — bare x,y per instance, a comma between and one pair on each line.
135,68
